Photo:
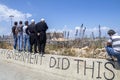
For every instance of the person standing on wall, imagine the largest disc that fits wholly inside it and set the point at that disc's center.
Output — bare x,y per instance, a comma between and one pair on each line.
41,28
20,36
32,33
26,37
113,45
14,31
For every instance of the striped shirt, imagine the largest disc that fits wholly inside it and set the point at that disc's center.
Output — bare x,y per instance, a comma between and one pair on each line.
115,40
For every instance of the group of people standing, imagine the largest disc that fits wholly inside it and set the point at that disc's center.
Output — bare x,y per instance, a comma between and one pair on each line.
28,35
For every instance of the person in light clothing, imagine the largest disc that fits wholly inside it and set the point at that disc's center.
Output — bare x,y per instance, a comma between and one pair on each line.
113,45
20,36
26,37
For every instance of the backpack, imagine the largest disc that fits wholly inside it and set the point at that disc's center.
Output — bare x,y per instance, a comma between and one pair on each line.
20,29
16,30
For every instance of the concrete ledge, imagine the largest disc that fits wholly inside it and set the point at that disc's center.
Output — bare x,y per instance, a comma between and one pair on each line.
71,68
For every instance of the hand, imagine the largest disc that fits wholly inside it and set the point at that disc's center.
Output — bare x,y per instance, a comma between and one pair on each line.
109,44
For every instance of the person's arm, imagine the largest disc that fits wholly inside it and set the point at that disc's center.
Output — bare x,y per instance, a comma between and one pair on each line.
27,31
35,28
109,43
12,29
46,27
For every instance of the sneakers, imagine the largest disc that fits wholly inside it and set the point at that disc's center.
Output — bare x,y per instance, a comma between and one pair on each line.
110,59
14,50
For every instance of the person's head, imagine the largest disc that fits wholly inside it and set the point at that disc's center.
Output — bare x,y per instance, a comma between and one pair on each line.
15,23
20,22
111,32
26,22
42,20
32,21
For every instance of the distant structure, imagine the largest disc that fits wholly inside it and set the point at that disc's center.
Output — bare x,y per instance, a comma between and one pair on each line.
7,39
54,35
11,18
50,36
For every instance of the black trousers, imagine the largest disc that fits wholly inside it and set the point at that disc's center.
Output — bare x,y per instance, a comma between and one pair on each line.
41,42
33,42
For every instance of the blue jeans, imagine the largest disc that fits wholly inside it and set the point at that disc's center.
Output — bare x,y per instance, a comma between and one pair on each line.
26,42
111,53
15,41
20,41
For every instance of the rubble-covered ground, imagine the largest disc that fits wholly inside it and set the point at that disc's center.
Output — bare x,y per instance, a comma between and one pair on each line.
70,48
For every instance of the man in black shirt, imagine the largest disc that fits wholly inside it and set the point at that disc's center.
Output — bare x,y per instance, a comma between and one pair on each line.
15,32
41,28
33,37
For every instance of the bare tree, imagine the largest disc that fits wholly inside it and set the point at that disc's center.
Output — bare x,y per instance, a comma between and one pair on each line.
99,32
93,37
80,32
76,33
100,40
83,32
68,35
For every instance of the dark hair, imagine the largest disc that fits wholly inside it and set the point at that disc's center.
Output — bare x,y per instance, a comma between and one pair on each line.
15,23
20,22
26,22
111,32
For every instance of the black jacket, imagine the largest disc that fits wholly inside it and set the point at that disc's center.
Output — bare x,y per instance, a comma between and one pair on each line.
14,28
41,27
31,29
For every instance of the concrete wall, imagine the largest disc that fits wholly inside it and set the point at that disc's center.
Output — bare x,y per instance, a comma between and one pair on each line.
71,68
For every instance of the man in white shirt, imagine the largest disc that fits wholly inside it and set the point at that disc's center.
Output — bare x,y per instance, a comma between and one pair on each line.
26,37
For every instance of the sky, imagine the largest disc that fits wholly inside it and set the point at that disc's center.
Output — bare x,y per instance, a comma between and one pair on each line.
63,15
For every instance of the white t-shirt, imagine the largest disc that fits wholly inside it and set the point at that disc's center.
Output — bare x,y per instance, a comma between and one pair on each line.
24,30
